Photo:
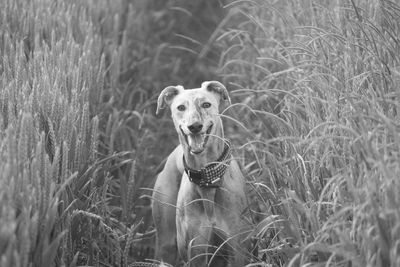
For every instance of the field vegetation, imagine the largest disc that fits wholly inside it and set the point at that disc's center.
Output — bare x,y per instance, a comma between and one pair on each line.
314,120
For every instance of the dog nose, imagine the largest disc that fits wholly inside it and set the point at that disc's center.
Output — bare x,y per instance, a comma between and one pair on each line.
195,127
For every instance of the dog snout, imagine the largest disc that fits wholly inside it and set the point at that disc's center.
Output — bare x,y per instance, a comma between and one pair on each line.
195,128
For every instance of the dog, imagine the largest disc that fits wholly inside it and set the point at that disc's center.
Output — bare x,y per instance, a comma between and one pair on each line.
199,196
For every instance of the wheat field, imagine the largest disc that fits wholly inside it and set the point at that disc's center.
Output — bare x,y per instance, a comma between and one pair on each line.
315,87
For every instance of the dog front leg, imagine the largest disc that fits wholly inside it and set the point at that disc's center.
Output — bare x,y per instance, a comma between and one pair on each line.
164,208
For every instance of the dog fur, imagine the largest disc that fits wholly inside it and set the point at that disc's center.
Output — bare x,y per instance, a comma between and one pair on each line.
204,224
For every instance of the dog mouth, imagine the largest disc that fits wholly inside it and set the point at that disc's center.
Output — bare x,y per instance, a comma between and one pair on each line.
197,142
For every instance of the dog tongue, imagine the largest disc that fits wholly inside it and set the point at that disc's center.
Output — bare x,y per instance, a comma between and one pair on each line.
196,142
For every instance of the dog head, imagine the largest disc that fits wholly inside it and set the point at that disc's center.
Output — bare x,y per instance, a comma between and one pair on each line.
195,112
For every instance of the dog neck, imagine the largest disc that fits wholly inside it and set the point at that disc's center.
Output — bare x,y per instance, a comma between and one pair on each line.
212,152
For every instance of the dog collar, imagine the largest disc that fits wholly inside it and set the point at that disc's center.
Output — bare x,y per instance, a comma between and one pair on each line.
210,175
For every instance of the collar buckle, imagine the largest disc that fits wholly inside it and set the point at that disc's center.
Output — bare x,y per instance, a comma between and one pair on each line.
194,175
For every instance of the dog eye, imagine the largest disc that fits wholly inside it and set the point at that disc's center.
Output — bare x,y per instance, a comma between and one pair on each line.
181,107
206,105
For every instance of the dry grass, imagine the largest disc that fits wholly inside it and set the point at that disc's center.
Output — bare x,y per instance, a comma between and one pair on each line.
315,124
320,81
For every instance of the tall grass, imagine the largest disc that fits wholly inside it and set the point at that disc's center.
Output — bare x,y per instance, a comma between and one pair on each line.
315,124
77,81
52,79
51,65
319,81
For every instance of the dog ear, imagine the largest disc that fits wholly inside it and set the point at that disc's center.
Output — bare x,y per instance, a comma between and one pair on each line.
166,96
219,88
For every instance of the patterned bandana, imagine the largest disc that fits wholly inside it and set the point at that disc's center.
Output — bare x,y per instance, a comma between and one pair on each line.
210,175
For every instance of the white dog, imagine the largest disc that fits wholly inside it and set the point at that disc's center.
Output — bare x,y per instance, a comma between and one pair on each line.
199,196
